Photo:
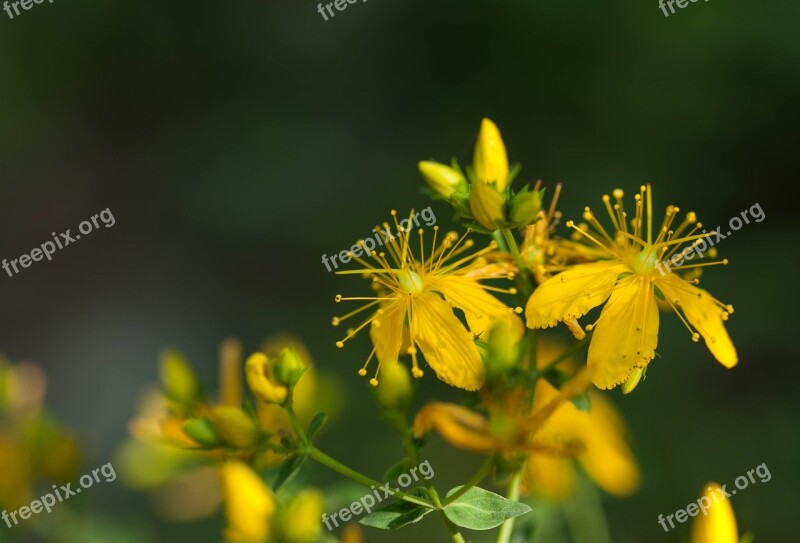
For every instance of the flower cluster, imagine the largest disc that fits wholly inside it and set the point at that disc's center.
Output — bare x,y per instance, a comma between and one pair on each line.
444,302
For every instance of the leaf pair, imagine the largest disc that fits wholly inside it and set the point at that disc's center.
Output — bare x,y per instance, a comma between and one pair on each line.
475,509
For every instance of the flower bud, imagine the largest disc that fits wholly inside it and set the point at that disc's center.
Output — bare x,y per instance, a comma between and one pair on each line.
289,367
261,379
490,161
233,426
178,379
394,388
633,379
525,206
503,349
487,206
443,179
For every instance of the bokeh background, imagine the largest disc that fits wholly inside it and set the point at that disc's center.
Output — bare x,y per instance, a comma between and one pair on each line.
235,143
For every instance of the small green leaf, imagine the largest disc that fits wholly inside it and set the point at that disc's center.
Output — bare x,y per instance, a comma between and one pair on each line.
287,470
479,509
398,514
202,431
317,423
582,402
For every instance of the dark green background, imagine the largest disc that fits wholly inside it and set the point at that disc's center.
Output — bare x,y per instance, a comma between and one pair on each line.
237,142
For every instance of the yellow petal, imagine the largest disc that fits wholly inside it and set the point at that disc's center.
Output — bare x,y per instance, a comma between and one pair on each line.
481,308
626,335
249,504
446,344
490,161
704,314
719,524
230,372
387,332
548,476
303,518
258,370
458,426
571,294
608,459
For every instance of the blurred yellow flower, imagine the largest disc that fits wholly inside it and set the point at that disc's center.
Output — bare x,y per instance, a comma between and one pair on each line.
511,426
249,504
605,455
718,525
302,520
33,446
416,298
626,334
262,381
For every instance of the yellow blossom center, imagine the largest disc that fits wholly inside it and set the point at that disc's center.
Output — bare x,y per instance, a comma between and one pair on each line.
645,261
410,282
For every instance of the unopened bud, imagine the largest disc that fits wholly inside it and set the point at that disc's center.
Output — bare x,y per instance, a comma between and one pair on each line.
233,426
443,179
487,206
178,379
633,380
289,367
525,206
394,388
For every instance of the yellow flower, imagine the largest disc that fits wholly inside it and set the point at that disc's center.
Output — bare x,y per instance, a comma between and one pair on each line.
489,161
511,426
416,297
249,504
718,524
262,380
606,456
443,179
303,518
632,280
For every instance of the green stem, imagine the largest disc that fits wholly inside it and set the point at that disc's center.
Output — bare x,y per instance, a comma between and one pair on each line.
455,535
504,535
482,472
340,468
298,428
523,275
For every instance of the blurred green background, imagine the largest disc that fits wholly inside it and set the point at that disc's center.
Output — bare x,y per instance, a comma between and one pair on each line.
235,143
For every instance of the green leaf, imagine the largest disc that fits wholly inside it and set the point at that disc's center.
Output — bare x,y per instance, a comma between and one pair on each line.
582,402
202,431
398,514
479,509
317,423
287,470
